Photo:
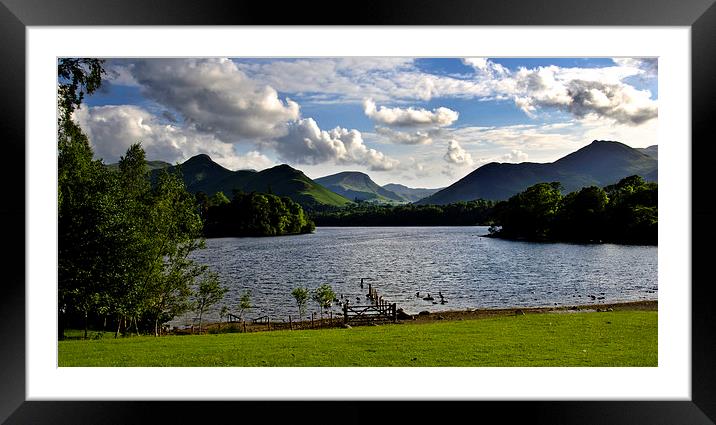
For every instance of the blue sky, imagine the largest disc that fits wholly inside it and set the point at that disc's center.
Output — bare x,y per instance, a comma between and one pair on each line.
422,122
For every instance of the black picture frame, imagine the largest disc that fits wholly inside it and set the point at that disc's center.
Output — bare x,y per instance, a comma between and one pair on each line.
16,15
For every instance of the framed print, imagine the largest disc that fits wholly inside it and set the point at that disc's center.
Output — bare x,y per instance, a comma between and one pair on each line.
397,90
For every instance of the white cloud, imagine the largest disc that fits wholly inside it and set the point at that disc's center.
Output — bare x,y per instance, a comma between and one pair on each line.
575,90
121,74
353,79
549,142
649,66
418,137
306,143
456,155
582,92
252,160
409,117
486,67
216,97
113,129
515,155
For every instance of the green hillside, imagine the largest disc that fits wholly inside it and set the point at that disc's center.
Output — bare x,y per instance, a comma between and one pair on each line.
355,185
284,180
202,174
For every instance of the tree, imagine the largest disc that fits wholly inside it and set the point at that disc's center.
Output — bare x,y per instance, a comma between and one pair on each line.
301,297
123,245
530,214
82,201
209,292
218,199
255,214
323,296
244,303
78,76
174,231
582,215
632,213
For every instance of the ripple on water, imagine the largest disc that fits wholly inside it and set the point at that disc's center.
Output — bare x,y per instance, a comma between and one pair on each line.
470,271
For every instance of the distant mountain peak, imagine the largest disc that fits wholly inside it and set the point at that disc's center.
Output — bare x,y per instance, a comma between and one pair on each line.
358,185
410,194
202,157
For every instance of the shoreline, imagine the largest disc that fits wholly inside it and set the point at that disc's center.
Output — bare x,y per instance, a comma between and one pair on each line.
447,315
474,313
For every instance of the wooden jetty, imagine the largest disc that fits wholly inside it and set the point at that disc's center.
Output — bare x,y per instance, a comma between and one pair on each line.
380,310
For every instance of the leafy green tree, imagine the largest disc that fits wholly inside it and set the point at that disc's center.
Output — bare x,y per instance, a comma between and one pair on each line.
175,233
632,214
301,297
209,292
78,76
582,215
218,199
530,214
323,296
82,197
256,214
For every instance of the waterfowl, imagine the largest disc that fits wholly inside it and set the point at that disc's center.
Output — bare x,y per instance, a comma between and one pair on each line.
429,298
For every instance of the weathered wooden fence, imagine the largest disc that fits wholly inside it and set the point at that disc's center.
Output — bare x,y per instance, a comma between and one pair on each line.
379,311
363,314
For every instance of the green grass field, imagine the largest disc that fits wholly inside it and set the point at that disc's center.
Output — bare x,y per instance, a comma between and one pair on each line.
619,338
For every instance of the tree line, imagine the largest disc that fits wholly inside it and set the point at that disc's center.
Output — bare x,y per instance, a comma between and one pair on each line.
470,213
625,212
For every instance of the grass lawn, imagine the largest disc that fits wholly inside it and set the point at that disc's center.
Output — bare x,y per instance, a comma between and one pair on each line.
618,338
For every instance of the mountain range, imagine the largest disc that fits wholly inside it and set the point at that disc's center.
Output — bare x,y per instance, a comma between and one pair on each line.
201,174
599,163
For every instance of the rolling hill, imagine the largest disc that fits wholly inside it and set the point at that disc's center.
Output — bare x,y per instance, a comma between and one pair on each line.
359,186
408,193
599,163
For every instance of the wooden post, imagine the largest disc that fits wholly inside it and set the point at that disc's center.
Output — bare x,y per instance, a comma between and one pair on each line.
312,314
244,322
370,290
290,324
395,313
268,322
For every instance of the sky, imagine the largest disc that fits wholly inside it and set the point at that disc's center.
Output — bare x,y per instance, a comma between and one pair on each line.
421,122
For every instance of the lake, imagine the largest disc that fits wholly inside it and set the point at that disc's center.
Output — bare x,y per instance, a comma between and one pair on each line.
470,270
